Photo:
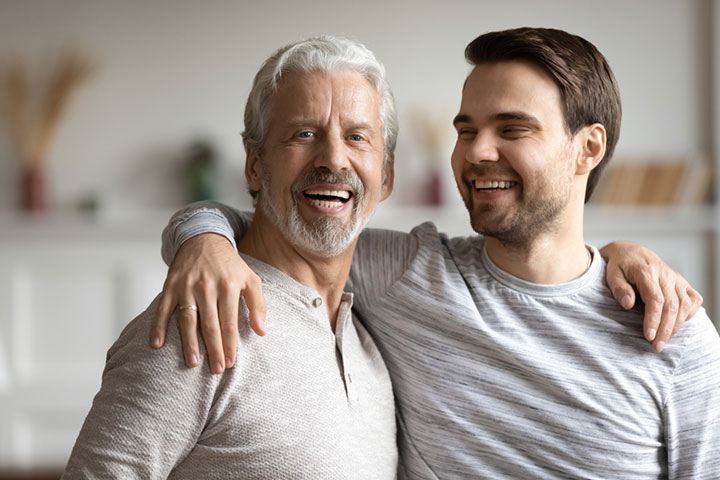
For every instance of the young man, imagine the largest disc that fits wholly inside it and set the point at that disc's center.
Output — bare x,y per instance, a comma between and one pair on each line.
508,355
314,401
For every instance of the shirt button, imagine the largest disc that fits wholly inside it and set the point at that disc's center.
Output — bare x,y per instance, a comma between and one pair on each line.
317,302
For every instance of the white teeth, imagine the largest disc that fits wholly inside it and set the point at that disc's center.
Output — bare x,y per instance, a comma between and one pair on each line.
330,193
492,184
326,203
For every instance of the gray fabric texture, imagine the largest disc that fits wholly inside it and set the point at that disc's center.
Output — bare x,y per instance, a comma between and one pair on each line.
301,403
495,377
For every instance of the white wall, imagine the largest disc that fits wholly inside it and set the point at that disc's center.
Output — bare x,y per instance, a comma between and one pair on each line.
169,71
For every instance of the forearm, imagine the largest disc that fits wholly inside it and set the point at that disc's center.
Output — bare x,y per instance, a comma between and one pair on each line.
203,217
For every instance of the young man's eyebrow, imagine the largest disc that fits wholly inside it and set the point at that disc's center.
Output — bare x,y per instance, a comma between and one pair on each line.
518,116
503,116
461,118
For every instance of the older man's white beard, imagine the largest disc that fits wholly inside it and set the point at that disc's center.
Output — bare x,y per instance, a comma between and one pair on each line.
325,236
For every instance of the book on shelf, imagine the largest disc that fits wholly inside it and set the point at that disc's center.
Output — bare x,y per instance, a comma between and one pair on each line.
682,181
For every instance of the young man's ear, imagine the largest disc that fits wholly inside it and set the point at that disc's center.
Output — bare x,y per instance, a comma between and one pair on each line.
388,178
592,148
253,167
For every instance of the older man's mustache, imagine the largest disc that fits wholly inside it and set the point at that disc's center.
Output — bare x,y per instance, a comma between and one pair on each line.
323,175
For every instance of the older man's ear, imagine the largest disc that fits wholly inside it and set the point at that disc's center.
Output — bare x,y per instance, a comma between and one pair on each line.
388,178
253,173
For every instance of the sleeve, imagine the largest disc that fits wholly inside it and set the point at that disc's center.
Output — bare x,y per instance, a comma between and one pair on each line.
203,217
693,406
149,412
381,258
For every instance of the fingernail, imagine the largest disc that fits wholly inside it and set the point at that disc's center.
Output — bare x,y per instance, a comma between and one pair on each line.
156,342
193,359
218,368
626,301
651,334
659,347
228,362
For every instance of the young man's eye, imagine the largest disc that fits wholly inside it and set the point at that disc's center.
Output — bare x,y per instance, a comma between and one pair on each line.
514,130
466,133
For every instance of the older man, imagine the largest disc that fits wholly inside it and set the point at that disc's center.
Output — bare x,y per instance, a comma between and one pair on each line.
509,356
313,400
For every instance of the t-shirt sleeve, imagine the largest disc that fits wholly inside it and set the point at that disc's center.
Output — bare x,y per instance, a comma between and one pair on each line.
693,406
203,217
149,412
380,259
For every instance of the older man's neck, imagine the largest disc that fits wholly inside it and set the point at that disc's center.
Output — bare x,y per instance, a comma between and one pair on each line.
551,258
326,275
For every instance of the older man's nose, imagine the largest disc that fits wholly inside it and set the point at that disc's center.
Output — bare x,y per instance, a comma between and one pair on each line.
332,154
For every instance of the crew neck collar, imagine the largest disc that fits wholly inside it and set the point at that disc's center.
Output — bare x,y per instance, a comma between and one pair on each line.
545,290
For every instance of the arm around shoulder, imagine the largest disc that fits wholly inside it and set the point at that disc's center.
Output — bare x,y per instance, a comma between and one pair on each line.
202,217
381,258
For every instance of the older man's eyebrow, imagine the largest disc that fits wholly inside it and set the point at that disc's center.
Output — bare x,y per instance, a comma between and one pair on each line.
299,121
360,126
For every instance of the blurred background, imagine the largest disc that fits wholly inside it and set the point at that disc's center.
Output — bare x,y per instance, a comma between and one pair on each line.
116,113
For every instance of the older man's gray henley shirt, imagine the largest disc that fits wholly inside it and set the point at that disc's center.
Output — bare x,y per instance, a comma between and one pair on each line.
301,403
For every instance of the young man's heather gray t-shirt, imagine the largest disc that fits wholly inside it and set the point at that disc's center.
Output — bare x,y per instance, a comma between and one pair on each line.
499,378
496,377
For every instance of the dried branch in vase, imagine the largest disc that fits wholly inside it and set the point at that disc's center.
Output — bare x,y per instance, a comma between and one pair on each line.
15,103
32,131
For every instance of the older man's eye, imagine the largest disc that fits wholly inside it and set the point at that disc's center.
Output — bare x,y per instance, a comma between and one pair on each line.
356,138
306,134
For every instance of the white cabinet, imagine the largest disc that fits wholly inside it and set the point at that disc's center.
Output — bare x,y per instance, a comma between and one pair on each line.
66,291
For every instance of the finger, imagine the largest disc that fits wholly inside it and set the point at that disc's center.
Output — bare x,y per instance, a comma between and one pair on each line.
648,286
162,316
255,302
620,287
689,308
669,310
187,323
228,313
210,328
686,306
697,301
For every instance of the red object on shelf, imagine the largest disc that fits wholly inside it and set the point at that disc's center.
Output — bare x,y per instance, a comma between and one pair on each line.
32,190
435,193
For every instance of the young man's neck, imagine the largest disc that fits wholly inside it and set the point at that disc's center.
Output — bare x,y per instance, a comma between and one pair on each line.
327,276
550,258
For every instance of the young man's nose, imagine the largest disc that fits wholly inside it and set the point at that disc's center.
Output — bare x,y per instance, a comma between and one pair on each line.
483,148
